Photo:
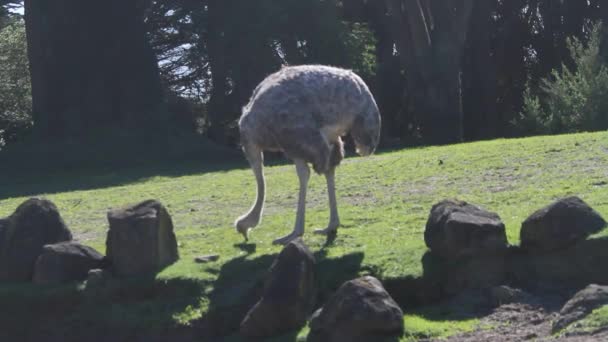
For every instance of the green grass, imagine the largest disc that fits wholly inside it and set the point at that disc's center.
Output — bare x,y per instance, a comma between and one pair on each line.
417,326
383,201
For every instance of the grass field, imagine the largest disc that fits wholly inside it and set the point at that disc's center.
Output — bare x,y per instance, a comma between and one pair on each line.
384,201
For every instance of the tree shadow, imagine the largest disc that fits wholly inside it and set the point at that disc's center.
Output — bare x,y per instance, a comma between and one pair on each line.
448,289
240,285
144,308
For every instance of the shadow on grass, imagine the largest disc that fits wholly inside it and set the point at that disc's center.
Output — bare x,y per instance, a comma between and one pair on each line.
86,179
240,285
139,309
433,295
108,159
113,159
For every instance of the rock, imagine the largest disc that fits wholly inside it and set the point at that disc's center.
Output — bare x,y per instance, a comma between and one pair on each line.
66,262
456,228
35,223
503,294
585,301
207,258
361,310
288,297
575,266
559,225
140,239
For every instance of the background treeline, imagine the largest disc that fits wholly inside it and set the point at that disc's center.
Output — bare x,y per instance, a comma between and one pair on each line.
441,71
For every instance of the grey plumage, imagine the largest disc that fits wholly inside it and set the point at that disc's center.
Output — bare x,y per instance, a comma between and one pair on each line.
303,111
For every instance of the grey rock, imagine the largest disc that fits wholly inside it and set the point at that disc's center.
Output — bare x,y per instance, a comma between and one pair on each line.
580,305
576,266
66,262
560,224
289,294
456,228
35,223
503,294
140,239
361,310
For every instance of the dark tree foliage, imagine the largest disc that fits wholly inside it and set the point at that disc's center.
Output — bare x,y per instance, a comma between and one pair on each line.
441,71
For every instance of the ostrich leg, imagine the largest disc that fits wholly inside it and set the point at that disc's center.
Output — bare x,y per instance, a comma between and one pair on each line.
303,174
334,219
252,218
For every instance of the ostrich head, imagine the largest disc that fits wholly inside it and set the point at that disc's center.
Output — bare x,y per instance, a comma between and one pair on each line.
366,132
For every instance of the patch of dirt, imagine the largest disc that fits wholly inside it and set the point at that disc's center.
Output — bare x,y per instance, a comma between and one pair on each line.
531,318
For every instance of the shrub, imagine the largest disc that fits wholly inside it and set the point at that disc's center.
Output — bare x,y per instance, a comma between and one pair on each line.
570,100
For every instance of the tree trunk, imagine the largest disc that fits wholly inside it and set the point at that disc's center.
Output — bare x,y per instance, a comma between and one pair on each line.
480,120
91,66
604,42
430,39
217,106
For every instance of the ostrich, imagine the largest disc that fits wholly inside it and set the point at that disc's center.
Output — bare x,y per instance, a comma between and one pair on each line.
303,111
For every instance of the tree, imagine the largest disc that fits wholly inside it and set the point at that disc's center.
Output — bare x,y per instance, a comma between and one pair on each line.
430,37
573,98
15,91
91,66
480,76
604,42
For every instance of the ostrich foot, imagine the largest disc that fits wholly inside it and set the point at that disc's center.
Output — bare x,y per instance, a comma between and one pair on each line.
244,232
332,228
331,232
326,231
287,239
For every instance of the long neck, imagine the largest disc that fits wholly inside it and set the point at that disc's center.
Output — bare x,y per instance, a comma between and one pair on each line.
261,191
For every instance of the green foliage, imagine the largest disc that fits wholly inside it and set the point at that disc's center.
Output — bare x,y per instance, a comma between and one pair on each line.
15,88
360,45
570,100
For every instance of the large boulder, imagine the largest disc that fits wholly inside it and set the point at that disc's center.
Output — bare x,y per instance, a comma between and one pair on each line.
289,294
452,276
35,223
66,262
456,228
581,305
140,239
560,224
361,310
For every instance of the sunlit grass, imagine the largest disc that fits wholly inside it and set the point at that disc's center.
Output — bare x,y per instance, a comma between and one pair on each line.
384,201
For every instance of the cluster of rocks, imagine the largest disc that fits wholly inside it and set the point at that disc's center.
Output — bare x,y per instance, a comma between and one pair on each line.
360,310
469,249
36,245
456,228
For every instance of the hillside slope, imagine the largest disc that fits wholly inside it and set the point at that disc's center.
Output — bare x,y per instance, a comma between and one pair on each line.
384,201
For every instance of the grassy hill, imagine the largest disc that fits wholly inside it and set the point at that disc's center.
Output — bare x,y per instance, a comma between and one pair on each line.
384,201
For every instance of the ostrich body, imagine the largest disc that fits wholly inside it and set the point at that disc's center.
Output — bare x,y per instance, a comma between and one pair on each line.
303,111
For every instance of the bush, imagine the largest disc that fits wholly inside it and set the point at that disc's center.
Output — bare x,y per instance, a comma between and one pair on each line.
570,100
